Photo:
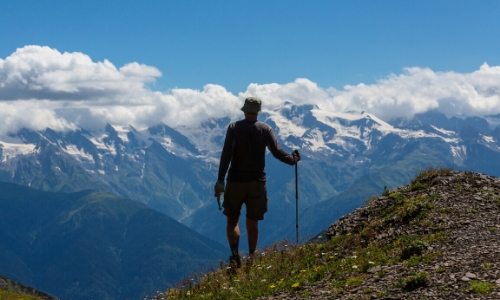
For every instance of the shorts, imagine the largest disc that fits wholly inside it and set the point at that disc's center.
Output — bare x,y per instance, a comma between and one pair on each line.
252,193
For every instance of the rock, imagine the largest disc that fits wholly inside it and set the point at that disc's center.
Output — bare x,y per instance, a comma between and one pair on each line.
465,278
3,285
470,275
374,269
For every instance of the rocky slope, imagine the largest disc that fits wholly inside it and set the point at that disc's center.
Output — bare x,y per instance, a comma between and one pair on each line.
20,290
439,238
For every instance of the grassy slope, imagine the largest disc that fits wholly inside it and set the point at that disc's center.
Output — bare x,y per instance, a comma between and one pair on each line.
343,263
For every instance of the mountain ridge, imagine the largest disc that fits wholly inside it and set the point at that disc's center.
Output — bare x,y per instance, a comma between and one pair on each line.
90,244
173,170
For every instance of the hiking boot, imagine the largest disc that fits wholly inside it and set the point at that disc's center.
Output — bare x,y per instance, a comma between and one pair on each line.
235,261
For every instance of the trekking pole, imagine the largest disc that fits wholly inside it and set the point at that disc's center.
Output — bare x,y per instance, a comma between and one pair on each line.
296,199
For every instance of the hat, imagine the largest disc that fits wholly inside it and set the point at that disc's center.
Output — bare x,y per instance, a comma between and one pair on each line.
252,105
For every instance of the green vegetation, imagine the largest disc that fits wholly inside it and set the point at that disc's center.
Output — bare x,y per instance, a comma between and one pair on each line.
413,281
289,268
480,287
7,295
429,173
344,261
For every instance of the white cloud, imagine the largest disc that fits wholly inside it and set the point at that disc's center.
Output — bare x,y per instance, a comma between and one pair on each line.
418,90
41,87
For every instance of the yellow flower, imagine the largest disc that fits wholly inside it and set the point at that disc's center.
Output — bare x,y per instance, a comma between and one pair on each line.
302,271
272,286
295,285
331,256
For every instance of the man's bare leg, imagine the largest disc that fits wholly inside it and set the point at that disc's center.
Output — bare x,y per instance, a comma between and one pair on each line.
233,234
253,235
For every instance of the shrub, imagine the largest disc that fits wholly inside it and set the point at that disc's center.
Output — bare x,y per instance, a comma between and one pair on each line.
480,287
411,246
414,281
427,173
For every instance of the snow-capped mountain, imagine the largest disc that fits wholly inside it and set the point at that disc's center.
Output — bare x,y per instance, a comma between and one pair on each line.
173,169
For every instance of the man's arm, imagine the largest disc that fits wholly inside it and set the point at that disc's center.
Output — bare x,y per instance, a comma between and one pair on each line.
227,154
277,151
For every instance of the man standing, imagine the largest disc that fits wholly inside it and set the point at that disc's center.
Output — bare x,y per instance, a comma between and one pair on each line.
244,154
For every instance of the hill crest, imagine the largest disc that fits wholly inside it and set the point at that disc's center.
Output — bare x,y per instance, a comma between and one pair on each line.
436,238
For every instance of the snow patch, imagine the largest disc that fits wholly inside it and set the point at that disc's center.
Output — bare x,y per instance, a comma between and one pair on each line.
9,151
79,153
443,131
122,132
488,139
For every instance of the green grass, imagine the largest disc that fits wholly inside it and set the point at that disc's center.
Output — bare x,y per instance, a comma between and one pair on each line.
7,295
288,268
345,259
479,287
425,174
413,281
342,261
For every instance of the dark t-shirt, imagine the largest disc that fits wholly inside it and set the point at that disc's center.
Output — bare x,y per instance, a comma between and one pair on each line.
245,149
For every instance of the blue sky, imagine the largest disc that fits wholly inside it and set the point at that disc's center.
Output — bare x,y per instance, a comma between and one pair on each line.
185,60
235,43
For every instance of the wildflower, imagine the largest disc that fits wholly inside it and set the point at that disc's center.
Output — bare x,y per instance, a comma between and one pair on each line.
348,233
371,262
269,267
188,293
272,286
263,280
293,272
354,267
302,271
331,256
295,285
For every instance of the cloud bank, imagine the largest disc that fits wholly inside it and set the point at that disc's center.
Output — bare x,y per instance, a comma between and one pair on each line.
41,87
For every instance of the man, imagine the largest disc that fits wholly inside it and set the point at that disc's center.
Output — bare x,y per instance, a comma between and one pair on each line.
245,150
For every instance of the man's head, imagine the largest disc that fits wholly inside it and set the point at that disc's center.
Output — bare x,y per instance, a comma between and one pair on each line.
252,106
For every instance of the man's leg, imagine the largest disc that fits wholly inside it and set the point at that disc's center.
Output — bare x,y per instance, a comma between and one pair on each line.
233,234
253,235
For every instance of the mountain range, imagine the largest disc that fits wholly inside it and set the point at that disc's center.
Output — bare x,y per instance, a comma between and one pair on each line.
95,245
346,158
